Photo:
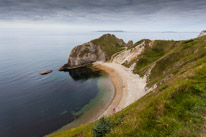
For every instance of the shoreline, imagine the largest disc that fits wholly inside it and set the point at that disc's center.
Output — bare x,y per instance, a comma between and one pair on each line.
129,87
118,90
92,114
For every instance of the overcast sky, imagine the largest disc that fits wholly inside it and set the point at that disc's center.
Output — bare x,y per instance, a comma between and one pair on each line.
129,15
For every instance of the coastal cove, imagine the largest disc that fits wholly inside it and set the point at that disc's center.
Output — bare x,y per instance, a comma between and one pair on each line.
125,87
36,105
107,68
97,106
155,81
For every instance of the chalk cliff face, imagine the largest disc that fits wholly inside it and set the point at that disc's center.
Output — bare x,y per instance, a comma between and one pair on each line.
203,33
84,54
129,55
100,49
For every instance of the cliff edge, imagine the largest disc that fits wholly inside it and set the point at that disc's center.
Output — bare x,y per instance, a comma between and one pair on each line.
100,49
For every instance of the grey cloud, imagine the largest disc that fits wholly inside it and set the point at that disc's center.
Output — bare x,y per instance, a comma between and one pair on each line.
104,11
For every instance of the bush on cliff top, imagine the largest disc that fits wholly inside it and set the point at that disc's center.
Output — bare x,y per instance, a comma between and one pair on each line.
102,127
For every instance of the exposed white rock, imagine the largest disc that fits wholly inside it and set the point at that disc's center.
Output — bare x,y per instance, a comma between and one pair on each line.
203,33
134,85
84,54
129,55
147,74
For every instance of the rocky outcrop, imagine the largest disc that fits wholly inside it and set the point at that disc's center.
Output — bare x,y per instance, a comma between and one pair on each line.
83,55
45,72
129,43
100,49
203,33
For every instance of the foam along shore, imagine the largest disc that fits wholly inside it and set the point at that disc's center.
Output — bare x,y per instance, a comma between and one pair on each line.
129,87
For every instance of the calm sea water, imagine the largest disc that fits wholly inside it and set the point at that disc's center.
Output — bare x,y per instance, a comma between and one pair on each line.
32,105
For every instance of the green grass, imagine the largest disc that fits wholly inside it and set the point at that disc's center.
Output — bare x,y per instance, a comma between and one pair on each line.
151,54
183,55
176,108
201,38
110,44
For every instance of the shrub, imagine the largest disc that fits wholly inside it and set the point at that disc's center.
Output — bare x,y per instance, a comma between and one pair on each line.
103,126
163,87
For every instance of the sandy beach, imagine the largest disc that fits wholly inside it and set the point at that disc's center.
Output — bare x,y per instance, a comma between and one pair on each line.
129,87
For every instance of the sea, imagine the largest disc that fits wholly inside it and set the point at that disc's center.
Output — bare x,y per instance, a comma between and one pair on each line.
34,105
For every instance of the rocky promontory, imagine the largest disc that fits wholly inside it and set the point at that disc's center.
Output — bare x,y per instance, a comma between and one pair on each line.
100,49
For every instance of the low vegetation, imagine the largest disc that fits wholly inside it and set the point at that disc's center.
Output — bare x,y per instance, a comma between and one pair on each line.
110,44
152,53
86,51
102,127
176,108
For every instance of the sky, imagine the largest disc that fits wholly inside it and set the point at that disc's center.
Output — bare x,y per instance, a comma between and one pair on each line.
128,15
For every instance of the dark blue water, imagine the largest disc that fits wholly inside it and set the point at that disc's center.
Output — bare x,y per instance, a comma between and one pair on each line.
32,105
36,105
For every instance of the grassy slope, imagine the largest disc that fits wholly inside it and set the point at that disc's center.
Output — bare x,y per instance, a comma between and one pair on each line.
175,108
151,54
110,44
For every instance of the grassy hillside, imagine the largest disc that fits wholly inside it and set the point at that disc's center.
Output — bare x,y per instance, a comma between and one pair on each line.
151,54
176,108
110,44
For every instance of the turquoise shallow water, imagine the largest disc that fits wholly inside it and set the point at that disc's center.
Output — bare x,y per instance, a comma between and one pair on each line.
35,105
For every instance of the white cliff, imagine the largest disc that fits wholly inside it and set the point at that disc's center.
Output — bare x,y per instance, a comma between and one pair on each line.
203,33
127,56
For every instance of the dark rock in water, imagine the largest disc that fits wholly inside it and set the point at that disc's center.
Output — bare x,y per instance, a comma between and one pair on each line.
45,72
